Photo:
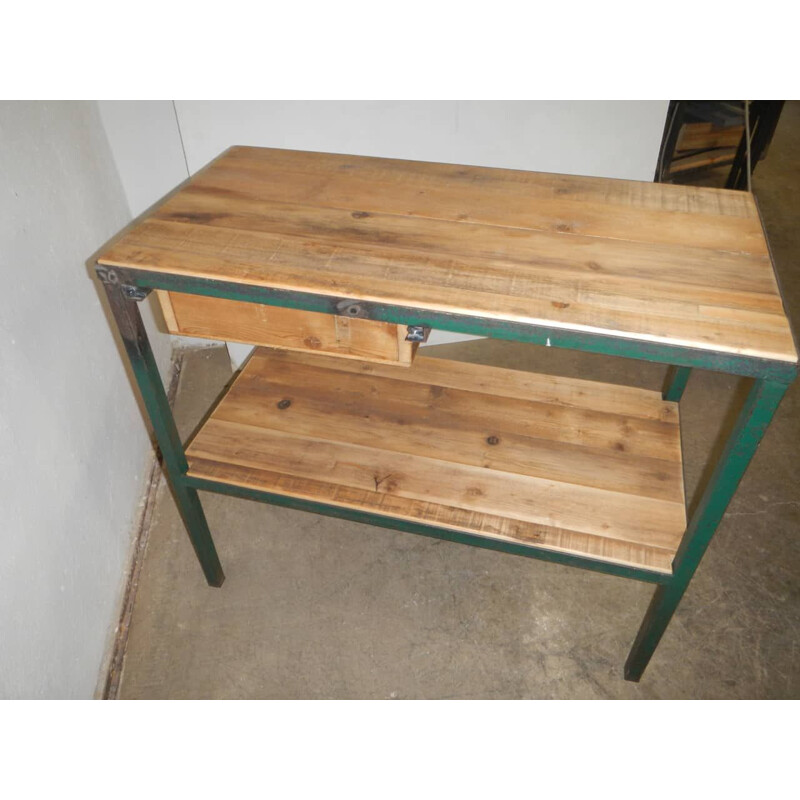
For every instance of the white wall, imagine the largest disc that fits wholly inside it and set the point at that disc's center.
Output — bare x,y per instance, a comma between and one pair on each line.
146,145
607,139
73,447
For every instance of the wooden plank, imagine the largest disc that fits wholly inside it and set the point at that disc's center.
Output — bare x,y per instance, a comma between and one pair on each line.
630,518
169,313
406,351
249,256
495,233
580,544
258,163
498,382
456,427
708,158
677,265
271,326
558,465
325,386
704,135
496,206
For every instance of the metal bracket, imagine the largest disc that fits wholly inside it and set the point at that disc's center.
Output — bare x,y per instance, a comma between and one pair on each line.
110,277
351,308
135,292
107,275
417,333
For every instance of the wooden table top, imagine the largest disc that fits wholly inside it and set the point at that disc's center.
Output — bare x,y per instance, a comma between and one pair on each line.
680,265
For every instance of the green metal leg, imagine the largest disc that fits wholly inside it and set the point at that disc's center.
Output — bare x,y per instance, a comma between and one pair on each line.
677,377
123,301
753,421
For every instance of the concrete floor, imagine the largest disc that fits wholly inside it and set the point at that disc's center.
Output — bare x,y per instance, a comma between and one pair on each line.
323,608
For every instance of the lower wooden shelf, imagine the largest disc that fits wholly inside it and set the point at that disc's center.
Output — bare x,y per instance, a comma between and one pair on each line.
580,467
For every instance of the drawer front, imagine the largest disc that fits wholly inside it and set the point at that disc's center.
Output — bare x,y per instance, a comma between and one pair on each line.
287,328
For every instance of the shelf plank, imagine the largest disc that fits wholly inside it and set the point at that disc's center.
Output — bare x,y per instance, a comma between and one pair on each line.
433,443
680,265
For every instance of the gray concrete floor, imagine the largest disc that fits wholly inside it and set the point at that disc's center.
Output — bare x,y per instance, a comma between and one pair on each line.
323,608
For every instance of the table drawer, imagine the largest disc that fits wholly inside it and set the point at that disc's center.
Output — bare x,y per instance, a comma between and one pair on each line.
287,328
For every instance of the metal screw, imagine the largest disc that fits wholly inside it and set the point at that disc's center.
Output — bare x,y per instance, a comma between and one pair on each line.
351,308
493,440
285,403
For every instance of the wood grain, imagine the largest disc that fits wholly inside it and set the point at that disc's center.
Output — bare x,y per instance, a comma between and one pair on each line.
555,471
659,263
272,326
165,302
707,158
704,135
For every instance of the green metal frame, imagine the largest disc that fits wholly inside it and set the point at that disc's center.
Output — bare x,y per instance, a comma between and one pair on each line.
125,286
677,378
134,336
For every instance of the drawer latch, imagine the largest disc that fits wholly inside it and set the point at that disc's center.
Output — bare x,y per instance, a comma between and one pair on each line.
417,333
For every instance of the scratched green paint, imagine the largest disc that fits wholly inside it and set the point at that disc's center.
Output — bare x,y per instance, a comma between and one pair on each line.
478,326
677,379
753,421
145,371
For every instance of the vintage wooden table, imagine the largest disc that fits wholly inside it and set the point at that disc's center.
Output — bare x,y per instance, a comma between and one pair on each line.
337,266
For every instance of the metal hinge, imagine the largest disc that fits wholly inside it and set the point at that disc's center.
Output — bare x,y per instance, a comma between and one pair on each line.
417,333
